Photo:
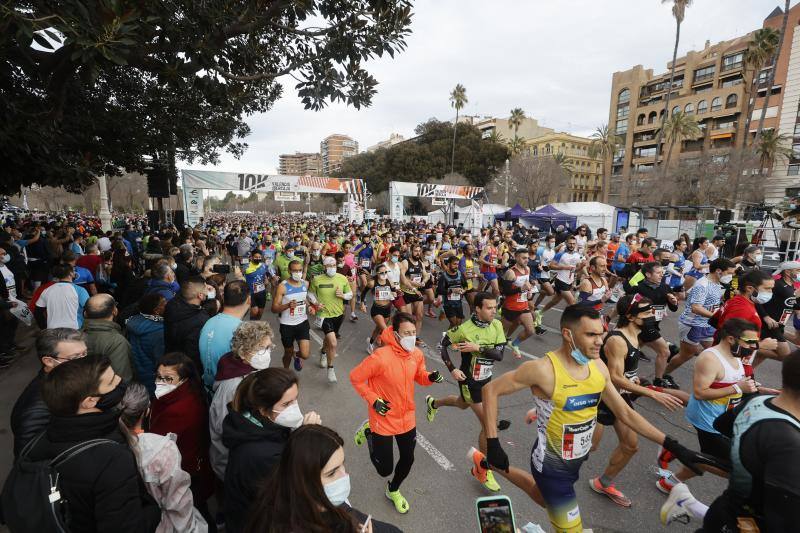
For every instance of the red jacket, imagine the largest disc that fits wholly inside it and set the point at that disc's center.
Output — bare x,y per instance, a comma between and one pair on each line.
389,374
739,307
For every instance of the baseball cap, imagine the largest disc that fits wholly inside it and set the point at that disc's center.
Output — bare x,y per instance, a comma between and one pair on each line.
787,265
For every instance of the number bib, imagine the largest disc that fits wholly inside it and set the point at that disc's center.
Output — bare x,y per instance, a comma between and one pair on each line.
482,369
576,439
659,312
258,287
522,297
416,278
383,293
365,263
454,295
785,316
299,310
244,262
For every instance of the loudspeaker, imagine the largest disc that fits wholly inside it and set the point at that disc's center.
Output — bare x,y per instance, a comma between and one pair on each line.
177,219
725,216
152,219
173,183
157,186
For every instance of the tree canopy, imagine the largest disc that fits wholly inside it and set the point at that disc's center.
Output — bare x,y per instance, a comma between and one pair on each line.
97,86
427,156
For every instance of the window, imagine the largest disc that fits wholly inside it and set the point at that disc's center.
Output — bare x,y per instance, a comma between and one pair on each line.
619,156
622,126
702,107
640,120
689,109
731,101
794,170
624,96
704,73
652,117
547,149
676,109
716,104
645,152
703,89
796,151
726,124
792,192
732,62
797,130
535,151
731,82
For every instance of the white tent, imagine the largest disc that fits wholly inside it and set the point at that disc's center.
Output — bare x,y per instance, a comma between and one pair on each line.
594,214
466,215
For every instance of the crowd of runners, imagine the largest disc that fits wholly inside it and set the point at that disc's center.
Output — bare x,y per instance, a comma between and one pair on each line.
180,368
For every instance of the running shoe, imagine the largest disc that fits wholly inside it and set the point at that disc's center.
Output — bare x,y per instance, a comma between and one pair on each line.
298,363
331,375
361,433
665,485
676,508
540,330
353,317
370,346
611,491
538,315
665,457
323,358
666,382
399,501
431,410
515,349
480,472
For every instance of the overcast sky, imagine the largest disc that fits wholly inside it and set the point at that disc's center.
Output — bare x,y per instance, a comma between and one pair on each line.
552,58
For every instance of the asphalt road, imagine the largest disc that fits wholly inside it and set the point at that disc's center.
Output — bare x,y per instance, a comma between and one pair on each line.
440,490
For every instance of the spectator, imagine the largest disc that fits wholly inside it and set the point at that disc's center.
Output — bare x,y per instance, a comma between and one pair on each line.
102,487
162,280
251,349
308,489
121,277
184,317
180,408
104,242
76,245
61,304
185,264
145,331
104,336
159,462
216,335
30,414
8,323
83,277
262,414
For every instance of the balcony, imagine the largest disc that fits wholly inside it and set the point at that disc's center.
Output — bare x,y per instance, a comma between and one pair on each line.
725,130
645,160
732,67
647,126
703,78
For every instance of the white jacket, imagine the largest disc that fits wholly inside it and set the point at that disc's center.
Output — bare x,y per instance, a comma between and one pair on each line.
224,392
160,465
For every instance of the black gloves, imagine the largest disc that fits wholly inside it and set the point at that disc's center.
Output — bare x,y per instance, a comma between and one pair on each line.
495,455
688,457
381,407
435,377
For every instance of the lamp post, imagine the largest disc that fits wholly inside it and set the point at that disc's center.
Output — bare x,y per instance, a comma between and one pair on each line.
505,201
105,214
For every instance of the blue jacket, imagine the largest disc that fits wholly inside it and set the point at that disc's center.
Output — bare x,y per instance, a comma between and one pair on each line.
146,336
166,289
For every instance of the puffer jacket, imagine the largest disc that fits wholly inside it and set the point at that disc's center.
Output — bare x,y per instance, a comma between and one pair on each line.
182,324
146,335
105,338
389,374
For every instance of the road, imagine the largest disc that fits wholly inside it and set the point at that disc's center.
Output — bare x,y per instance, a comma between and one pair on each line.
440,491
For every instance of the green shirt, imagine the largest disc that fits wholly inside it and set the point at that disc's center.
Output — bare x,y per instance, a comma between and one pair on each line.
324,288
282,265
475,365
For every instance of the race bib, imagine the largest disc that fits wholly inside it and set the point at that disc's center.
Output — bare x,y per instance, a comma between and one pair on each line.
482,369
576,439
383,293
659,312
785,316
522,297
299,310
258,287
454,295
365,263
244,261
416,278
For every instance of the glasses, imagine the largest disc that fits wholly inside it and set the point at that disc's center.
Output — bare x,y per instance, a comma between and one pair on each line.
750,342
165,379
79,355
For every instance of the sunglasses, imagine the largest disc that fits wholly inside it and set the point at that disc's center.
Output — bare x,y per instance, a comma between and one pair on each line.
749,342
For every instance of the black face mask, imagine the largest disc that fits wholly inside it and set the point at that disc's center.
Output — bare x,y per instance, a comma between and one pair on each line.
112,398
478,322
649,322
665,262
737,350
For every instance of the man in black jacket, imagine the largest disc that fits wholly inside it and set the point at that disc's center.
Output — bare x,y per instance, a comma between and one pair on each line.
184,317
184,265
30,415
102,487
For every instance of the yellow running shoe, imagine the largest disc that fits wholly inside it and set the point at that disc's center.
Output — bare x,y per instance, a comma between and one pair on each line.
361,433
399,501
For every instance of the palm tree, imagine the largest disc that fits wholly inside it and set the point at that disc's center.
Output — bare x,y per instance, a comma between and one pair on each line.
496,137
604,145
772,145
516,145
771,79
678,128
515,120
458,99
760,50
679,12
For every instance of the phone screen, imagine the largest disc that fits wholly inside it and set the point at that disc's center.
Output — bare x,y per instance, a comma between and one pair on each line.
495,515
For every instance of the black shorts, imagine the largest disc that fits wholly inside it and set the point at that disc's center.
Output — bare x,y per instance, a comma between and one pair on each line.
291,334
776,333
385,312
604,414
332,324
259,299
411,298
650,334
560,286
511,316
454,311
716,445
471,390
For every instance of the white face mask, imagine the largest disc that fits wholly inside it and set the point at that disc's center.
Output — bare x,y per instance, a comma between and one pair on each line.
162,389
291,417
6,258
330,271
297,276
758,257
727,278
408,343
763,297
338,491
261,359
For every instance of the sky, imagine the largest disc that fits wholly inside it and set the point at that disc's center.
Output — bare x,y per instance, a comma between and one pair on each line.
552,58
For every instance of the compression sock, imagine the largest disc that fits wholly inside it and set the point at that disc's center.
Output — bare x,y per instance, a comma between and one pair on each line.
605,480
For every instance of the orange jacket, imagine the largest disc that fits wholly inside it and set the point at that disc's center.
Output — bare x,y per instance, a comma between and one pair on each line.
389,374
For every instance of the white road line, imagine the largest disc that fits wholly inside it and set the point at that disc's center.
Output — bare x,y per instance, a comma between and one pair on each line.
435,454
316,337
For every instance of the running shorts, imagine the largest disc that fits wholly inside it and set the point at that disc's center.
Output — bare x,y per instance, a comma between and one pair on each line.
716,445
511,316
294,333
385,312
489,276
259,299
454,311
332,324
560,286
695,335
471,390
558,493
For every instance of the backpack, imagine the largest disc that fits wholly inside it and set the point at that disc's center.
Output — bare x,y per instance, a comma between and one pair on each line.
31,500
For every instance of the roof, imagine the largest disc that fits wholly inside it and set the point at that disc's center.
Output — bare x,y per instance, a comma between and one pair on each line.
777,12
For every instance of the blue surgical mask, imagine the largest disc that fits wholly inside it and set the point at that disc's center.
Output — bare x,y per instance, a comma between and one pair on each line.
576,354
338,491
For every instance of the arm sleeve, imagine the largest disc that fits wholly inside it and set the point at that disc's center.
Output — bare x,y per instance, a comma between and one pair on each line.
508,287
360,374
445,355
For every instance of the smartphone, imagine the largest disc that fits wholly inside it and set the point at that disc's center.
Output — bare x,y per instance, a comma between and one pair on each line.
221,269
495,514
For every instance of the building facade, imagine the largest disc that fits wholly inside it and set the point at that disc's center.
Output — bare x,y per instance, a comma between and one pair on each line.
300,164
586,173
528,129
334,149
393,139
709,84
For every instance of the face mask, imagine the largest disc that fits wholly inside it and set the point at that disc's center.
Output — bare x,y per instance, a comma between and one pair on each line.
395,259
173,266
162,389
291,417
576,354
330,271
727,278
408,343
210,295
758,257
289,254
665,262
6,258
763,297
429,258
112,398
338,491
737,350
297,276
256,261
445,246
339,265
649,322
261,359
316,253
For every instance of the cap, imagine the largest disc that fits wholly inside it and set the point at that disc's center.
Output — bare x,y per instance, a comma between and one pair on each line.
787,265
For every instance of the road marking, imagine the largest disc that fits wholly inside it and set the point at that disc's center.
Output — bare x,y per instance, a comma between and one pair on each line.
316,337
435,454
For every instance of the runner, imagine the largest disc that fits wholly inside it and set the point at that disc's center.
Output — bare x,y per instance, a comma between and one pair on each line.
516,287
565,264
291,304
470,269
385,380
489,261
313,262
281,264
348,270
256,274
383,294
699,263
365,259
545,255
450,290
778,310
330,290
567,385
412,279
593,289
673,270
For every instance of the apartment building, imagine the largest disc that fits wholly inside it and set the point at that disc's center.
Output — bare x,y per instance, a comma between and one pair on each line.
334,149
300,164
586,183
709,83
528,129
393,139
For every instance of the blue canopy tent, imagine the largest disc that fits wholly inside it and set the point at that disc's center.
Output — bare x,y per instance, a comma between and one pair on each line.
547,218
515,213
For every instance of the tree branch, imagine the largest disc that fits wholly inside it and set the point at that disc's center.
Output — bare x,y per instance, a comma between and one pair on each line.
263,75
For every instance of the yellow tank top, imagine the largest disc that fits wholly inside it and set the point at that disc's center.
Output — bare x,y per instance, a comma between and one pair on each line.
566,421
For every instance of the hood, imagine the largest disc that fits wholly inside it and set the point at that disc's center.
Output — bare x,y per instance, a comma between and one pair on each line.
237,430
389,340
151,446
100,325
178,310
230,367
141,325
